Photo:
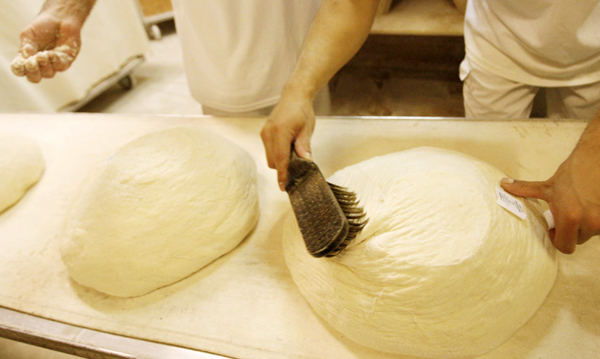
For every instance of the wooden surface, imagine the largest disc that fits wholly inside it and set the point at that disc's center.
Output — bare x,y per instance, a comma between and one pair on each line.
385,6
155,7
411,56
420,17
245,304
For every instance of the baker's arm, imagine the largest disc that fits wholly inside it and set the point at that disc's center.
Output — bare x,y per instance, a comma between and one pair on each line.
573,193
337,33
51,42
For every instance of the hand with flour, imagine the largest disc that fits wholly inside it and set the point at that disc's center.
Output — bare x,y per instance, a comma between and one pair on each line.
573,192
51,42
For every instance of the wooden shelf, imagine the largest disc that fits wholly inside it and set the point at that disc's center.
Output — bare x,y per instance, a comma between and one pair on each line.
420,17
152,8
154,12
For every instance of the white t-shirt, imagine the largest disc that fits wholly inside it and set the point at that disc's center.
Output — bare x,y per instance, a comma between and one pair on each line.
548,43
239,54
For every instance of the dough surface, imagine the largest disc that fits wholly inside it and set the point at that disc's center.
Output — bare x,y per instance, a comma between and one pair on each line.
441,270
158,210
21,166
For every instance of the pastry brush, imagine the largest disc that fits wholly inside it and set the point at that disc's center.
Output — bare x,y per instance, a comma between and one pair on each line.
328,215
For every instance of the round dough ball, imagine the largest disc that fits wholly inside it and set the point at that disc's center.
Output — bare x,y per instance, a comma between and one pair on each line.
441,270
158,210
21,166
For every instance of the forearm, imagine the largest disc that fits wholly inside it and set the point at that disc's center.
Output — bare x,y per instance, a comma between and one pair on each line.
591,135
585,158
75,10
337,33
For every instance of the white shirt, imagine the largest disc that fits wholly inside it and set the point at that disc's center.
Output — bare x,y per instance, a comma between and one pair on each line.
238,54
548,43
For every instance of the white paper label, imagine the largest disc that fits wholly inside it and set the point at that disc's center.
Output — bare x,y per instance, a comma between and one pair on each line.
510,203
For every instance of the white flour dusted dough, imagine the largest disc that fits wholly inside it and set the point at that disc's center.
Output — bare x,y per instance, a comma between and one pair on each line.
158,210
21,166
441,270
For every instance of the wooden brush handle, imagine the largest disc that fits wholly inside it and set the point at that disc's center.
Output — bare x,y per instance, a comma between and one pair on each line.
298,168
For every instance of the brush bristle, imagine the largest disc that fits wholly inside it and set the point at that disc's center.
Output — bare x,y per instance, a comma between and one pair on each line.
356,216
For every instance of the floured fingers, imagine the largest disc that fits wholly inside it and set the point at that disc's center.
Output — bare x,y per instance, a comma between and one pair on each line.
43,64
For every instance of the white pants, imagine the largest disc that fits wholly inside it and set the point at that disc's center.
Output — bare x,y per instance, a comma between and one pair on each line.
321,104
490,96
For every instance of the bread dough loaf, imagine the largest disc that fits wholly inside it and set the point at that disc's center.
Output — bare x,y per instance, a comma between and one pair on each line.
441,270
21,166
158,210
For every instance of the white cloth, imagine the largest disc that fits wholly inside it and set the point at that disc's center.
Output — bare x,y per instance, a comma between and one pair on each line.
548,43
321,106
238,54
493,97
